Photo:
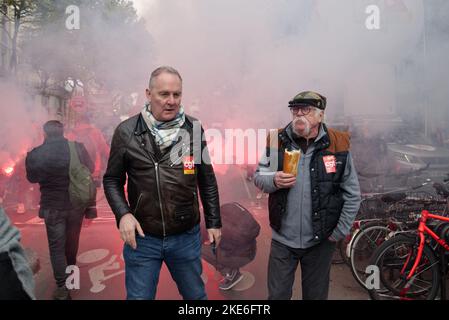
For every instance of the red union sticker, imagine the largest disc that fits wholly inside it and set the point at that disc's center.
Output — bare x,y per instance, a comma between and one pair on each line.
189,165
330,164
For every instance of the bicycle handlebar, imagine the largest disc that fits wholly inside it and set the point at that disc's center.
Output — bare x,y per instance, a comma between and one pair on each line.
397,194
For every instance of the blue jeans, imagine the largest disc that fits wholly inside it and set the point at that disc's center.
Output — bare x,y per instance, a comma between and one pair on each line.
182,255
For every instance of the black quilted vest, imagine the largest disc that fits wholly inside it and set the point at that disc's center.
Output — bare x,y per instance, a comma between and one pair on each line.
327,199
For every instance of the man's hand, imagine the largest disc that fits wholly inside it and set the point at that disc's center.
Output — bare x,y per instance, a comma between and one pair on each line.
128,226
214,236
284,180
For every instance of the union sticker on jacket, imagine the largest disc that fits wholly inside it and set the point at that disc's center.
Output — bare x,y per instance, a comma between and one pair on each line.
189,165
330,164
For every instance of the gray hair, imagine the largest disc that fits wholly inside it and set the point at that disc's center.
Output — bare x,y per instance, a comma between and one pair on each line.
160,70
317,110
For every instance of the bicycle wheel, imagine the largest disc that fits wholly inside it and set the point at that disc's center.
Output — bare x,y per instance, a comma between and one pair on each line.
365,242
395,258
344,246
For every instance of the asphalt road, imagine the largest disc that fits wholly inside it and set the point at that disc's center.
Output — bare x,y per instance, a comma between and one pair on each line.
101,264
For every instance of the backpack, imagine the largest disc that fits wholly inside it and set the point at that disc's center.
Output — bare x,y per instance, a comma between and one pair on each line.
82,188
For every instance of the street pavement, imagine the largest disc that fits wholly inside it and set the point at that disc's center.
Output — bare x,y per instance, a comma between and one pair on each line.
101,264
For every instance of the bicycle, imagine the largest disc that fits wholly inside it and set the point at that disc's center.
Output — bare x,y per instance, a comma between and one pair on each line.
372,212
371,203
412,264
382,220
368,236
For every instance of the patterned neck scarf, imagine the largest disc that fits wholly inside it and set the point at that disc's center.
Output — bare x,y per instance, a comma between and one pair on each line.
164,133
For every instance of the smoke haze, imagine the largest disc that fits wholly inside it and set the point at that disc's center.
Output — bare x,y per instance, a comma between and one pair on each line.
251,59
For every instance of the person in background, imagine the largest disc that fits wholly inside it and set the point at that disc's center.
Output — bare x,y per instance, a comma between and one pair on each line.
48,165
237,247
16,276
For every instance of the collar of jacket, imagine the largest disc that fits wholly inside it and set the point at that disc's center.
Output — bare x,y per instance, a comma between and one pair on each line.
322,142
54,139
141,126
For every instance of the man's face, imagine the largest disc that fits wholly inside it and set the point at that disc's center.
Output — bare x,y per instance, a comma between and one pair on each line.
304,123
79,105
165,96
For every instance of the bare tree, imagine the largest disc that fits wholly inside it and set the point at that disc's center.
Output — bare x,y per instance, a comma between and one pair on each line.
20,13
4,35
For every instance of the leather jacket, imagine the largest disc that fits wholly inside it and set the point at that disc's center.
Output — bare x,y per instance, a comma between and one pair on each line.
162,188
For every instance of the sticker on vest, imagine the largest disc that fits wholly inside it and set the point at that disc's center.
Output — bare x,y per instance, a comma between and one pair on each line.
330,164
189,165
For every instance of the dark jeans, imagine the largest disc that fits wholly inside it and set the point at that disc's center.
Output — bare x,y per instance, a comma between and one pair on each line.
315,269
63,233
182,255
10,285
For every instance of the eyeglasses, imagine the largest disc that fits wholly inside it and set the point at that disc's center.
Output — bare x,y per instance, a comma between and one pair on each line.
302,110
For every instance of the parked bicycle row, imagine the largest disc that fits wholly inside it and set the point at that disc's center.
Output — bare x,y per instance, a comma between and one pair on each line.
395,247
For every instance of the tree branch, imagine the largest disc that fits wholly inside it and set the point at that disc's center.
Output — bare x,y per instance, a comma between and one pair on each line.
7,32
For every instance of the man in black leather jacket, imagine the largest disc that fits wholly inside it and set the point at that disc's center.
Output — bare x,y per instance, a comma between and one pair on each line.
162,157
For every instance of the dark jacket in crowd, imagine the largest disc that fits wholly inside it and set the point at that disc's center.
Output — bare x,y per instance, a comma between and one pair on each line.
16,276
48,165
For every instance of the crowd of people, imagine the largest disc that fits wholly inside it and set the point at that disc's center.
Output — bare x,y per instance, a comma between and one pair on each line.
161,186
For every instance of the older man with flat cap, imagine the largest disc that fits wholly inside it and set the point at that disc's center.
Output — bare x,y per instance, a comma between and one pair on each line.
311,208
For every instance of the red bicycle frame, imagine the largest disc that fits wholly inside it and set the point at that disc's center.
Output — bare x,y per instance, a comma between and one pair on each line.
424,229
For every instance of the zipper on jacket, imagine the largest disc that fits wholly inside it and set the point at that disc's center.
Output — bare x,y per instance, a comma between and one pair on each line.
160,196
138,202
